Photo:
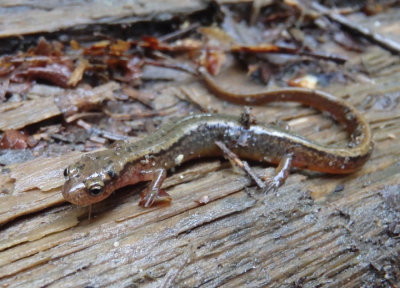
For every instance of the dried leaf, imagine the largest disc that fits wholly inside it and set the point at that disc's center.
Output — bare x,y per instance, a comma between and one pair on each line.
46,48
14,139
212,60
56,73
5,67
74,45
215,33
120,47
78,72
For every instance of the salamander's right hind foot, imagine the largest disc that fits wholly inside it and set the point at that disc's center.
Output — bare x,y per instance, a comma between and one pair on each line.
272,185
281,173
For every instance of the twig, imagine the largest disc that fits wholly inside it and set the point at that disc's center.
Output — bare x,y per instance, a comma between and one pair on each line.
179,33
178,66
320,55
274,49
136,95
377,38
125,116
241,164
100,132
77,116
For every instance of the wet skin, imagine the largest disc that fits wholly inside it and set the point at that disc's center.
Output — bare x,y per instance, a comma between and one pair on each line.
97,175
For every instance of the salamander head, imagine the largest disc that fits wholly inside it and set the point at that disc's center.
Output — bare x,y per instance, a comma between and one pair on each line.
89,180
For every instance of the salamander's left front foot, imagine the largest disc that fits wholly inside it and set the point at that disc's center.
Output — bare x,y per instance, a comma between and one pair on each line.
153,193
149,197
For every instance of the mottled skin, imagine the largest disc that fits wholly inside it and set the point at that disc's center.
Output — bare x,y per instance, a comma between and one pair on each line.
97,175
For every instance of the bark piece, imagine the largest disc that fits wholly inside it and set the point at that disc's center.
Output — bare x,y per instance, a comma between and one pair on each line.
27,17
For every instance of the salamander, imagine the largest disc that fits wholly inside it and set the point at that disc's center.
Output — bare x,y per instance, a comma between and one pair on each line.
97,175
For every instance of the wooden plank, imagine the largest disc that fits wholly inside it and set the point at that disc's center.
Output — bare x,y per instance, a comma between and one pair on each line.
304,233
26,17
43,106
40,109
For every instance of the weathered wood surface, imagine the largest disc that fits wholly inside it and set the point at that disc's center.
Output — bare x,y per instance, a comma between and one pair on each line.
315,231
304,233
27,17
46,105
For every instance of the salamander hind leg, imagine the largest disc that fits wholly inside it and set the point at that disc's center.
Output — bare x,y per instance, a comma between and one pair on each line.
281,173
153,193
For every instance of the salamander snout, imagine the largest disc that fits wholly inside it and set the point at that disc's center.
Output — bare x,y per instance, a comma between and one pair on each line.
85,185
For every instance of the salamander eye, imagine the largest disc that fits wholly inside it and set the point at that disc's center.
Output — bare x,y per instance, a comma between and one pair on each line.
66,172
96,188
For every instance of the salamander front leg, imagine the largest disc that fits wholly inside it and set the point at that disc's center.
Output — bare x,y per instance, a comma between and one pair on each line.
153,193
281,173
